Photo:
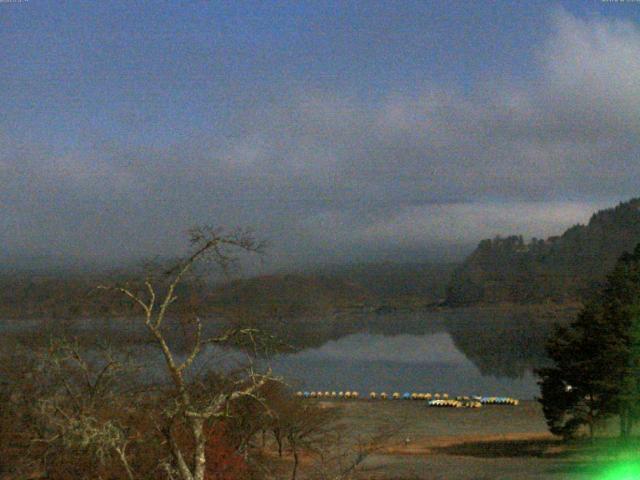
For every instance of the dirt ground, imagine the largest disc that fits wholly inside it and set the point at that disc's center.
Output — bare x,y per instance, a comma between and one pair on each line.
493,442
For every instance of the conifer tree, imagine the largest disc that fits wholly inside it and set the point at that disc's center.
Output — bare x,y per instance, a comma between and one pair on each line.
596,371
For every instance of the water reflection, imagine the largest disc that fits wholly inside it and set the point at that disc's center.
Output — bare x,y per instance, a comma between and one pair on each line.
317,370
404,348
459,350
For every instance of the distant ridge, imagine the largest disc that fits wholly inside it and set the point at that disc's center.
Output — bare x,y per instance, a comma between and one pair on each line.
559,269
385,286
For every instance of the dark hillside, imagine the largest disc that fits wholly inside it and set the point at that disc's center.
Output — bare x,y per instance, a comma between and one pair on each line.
68,294
393,283
558,269
287,295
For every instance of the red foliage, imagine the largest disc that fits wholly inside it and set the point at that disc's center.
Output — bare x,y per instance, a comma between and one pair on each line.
223,461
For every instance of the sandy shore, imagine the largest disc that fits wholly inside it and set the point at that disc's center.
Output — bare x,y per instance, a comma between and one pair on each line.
494,442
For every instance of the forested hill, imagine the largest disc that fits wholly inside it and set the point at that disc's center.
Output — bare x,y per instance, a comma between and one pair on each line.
61,293
560,269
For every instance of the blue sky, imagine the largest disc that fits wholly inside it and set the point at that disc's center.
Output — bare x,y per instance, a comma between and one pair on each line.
73,69
124,122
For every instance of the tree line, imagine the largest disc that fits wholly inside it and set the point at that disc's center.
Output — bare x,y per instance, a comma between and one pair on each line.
561,269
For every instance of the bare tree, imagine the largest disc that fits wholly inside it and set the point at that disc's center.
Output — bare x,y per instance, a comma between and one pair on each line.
302,426
187,409
80,404
340,453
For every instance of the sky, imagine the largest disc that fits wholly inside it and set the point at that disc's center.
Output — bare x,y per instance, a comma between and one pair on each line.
339,131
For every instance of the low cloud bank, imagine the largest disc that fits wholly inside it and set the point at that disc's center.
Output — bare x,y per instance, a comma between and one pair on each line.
325,175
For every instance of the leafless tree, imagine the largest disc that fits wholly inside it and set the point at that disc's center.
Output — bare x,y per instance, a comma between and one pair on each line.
76,403
302,427
340,453
188,409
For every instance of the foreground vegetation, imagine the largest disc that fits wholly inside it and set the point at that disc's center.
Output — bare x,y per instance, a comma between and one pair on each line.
168,407
596,370
74,412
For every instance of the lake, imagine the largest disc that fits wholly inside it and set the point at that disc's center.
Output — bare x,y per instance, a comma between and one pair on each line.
459,351
405,363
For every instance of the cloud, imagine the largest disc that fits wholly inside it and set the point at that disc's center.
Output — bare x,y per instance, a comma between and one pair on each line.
466,222
323,173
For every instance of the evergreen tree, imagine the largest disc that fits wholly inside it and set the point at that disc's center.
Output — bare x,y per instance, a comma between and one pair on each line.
596,371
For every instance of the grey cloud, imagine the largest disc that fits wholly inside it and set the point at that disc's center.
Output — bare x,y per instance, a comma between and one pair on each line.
323,173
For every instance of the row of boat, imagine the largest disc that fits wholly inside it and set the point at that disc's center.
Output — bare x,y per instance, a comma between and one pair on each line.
342,395
453,403
436,400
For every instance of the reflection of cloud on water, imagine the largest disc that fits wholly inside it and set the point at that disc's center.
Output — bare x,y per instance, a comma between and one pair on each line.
436,348
419,361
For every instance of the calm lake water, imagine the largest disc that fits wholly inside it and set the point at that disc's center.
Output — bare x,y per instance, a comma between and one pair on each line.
405,363
461,351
